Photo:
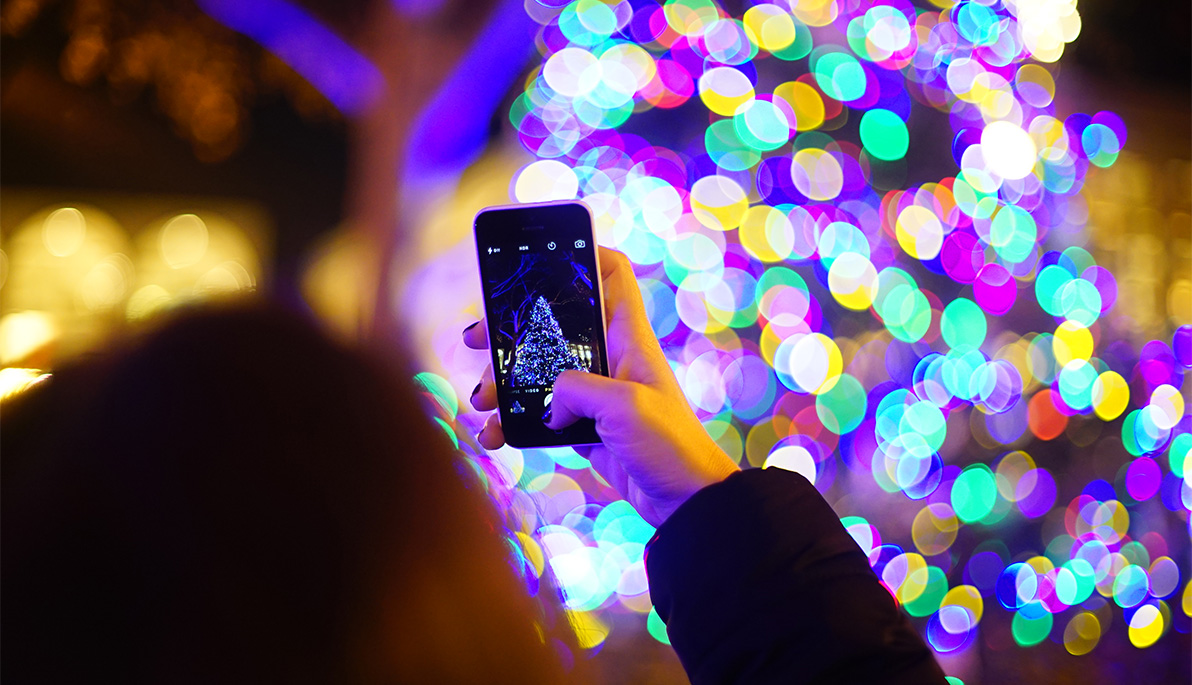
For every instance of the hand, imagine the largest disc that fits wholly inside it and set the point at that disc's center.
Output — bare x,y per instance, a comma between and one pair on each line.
654,450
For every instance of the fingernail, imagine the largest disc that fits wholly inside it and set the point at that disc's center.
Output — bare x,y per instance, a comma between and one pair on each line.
475,390
546,415
471,327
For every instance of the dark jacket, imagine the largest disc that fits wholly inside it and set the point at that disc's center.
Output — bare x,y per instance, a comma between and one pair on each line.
758,582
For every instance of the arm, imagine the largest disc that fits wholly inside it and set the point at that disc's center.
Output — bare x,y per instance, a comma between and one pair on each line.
758,581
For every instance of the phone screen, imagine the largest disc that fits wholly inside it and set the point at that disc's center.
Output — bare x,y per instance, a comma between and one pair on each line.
545,315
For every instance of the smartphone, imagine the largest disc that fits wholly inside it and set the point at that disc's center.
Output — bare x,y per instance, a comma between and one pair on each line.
540,275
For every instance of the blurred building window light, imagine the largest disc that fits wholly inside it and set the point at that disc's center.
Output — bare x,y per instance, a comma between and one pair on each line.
67,259
191,256
226,278
344,76
23,334
1179,302
105,284
146,302
334,284
14,380
63,231
184,241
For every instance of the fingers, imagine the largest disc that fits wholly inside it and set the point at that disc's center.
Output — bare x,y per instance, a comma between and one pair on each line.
491,437
476,335
484,395
584,395
634,352
622,296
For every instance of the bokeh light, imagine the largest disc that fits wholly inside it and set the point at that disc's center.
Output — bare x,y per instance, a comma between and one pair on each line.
947,344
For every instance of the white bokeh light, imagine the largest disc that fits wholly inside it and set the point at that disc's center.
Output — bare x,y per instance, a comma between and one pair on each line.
1009,151
793,458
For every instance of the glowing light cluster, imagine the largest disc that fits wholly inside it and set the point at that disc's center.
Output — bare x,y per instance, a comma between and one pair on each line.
72,274
752,168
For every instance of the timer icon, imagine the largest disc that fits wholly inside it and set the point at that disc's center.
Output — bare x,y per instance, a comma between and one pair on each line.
551,245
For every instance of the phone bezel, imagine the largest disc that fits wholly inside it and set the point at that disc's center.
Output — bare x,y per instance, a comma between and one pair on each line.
602,317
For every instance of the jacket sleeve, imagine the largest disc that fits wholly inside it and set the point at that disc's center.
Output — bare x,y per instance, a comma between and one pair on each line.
758,582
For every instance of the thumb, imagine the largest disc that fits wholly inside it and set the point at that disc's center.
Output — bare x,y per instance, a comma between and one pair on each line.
578,394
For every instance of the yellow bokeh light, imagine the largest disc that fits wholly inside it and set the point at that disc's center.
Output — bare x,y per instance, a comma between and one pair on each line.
769,27
63,231
816,12
691,17
533,552
1146,626
968,597
852,279
806,103
724,90
1110,395
1072,341
1170,402
767,233
184,240
934,529
1035,84
718,202
907,576
590,630
919,231
1082,633
1010,470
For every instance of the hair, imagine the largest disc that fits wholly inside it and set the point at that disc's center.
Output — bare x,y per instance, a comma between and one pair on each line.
236,497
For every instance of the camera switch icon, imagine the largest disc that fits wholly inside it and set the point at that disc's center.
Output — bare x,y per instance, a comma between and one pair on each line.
551,245
580,244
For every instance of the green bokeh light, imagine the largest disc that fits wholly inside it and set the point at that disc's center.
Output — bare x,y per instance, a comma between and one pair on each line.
842,408
727,149
1030,631
974,493
928,603
963,324
1013,233
884,135
656,627
840,76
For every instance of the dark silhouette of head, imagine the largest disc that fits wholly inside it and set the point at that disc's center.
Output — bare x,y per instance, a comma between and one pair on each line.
235,497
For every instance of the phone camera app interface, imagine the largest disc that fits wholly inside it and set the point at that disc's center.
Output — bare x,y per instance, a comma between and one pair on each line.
541,298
